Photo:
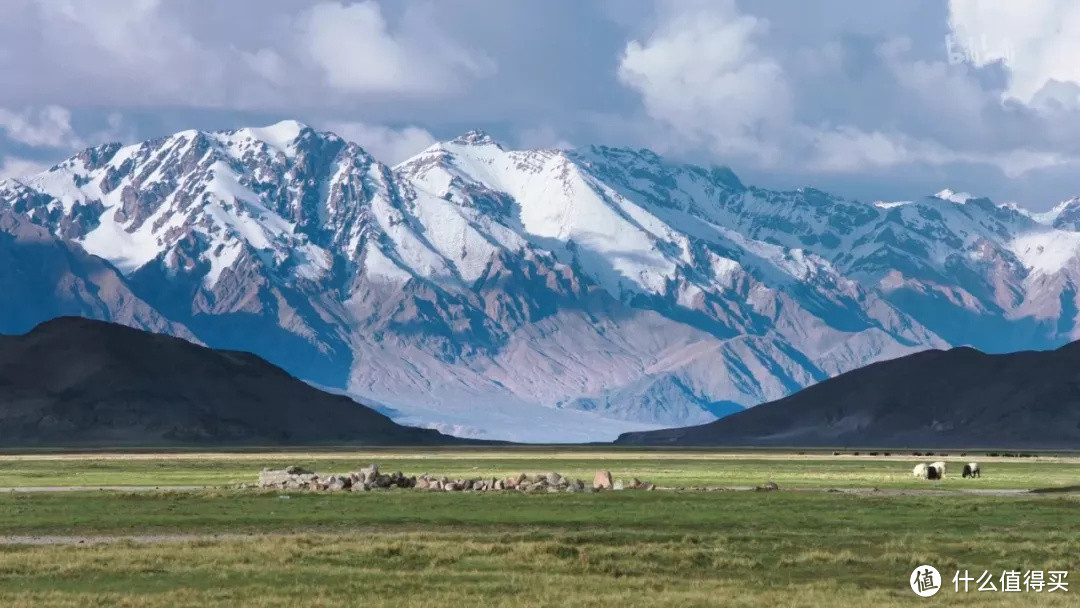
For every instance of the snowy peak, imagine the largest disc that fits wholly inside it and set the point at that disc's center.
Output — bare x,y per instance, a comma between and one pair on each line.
281,136
953,196
281,194
603,286
475,137
1065,214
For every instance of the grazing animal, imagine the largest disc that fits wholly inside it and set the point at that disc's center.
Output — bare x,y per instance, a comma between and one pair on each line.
920,471
971,469
933,472
940,466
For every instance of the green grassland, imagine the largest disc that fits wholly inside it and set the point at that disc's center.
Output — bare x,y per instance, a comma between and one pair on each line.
402,548
234,547
665,468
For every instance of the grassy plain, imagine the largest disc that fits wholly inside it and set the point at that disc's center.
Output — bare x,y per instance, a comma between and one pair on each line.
663,467
414,548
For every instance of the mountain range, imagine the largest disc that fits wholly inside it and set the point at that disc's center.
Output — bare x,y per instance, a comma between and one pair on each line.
959,398
531,295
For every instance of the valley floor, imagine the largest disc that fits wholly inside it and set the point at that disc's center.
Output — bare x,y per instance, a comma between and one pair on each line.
666,468
413,548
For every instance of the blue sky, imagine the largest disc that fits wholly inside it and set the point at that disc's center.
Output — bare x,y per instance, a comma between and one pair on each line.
882,100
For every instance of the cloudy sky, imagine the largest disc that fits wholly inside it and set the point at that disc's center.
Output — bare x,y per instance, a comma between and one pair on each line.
872,100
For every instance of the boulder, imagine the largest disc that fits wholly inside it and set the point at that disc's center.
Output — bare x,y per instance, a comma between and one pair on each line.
602,480
451,487
297,470
270,478
618,485
553,478
520,479
768,486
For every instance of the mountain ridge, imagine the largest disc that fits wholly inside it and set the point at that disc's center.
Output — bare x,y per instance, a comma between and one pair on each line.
544,295
956,398
72,381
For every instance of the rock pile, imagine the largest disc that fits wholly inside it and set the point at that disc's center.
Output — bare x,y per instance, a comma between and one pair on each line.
369,478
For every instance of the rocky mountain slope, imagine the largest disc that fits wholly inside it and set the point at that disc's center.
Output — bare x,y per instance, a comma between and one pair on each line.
542,294
957,398
72,381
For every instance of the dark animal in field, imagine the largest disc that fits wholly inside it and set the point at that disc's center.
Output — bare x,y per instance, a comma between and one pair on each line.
933,472
940,466
971,469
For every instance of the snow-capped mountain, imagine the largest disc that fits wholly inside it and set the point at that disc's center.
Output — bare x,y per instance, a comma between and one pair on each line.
539,294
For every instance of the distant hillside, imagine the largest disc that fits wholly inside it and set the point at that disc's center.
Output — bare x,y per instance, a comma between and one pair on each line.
73,381
955,398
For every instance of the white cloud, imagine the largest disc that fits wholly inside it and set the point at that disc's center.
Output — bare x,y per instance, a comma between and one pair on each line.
702,73
11,167
389,146
49,126
542,137
356,50
717,79
125,53
1037,40
850,150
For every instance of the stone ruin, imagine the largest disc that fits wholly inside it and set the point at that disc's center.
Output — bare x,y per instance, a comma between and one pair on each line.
369,478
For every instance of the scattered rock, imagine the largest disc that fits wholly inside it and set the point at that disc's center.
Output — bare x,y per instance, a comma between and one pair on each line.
602,480
769,486
369,478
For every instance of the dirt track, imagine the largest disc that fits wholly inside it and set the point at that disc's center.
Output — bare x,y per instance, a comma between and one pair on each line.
45,540
103,488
